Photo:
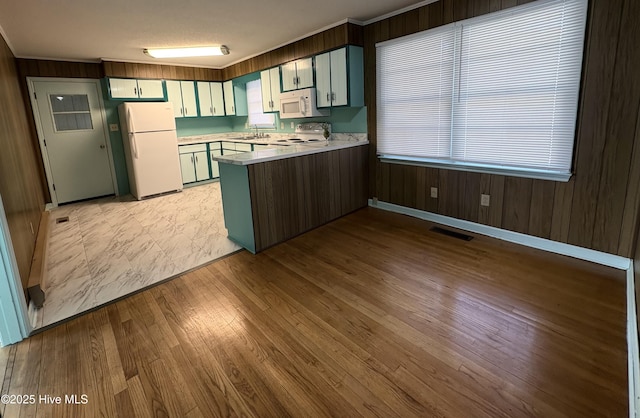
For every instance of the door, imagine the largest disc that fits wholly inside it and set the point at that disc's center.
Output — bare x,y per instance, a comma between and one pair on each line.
187,167
150,89
189,99
229,101
155,162
339,96
72,130
323,80
202,165
204,98
289,76
149,117
217,99
174,95
304,70
123,88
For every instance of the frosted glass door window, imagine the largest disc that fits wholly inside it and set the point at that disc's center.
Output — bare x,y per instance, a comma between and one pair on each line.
71,112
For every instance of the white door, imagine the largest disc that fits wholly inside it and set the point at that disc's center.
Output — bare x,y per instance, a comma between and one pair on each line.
123,88
339,95
155,162
150,89
72,131
323,79
229,101
304,70
217,99
174,95
204,98
189,99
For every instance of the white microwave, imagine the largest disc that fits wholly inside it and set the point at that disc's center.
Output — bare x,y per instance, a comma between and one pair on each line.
300,104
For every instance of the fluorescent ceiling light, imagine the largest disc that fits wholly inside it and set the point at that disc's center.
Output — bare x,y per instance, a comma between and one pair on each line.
201,51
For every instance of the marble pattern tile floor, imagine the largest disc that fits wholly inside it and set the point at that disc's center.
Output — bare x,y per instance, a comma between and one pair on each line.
114,246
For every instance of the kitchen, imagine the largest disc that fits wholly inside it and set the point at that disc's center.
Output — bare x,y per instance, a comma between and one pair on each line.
516,204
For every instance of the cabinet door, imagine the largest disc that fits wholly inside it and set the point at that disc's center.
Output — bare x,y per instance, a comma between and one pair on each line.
123,88
323,80
204,98
217,99
187,167
174,95
215,170
274,77
202,165
229,102
150,89
243,147
304,69
265,86
289,76
189,99
339,88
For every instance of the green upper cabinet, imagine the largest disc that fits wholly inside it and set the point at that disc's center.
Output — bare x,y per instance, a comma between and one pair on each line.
182,94
270,84
210,98
340,77
297,74
129,88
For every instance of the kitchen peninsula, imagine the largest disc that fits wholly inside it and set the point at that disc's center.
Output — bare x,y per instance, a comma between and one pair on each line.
272,195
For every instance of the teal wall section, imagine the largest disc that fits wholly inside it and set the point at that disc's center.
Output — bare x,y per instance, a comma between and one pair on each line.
203,126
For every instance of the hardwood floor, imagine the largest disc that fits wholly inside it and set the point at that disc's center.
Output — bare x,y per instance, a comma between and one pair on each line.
370,315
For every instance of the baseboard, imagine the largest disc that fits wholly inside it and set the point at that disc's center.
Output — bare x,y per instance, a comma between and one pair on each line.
574,251
633,353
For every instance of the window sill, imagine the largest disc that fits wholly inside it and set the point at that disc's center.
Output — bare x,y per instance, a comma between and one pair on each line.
477,168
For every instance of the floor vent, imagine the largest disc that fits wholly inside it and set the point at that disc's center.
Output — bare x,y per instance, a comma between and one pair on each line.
62,220
452,233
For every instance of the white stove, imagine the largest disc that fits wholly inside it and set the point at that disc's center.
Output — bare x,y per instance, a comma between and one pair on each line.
308,133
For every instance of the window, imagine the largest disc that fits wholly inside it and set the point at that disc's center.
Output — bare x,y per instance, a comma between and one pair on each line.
70,112
254,100
496,93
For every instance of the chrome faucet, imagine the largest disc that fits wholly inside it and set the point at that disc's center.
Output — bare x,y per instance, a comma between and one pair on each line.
257,135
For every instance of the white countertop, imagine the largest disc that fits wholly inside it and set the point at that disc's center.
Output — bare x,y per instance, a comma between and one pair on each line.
280,151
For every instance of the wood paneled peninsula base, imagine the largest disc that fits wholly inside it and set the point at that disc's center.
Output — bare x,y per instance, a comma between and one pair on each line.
272,195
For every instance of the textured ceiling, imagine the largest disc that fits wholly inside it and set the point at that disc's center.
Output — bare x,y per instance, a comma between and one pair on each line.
88,30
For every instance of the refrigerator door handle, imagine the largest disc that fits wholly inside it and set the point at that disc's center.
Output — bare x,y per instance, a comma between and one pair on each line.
130,121
134,145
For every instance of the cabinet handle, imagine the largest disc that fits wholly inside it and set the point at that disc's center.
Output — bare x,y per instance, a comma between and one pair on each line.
211,110
333,97
191,157
181,111
196,159
135,91
294,81
140,90
327,96
186,111
233,109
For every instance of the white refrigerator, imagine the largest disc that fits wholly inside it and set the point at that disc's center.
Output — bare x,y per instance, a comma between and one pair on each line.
150,147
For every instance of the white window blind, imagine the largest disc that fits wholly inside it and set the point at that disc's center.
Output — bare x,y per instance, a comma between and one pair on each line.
254,103
513,91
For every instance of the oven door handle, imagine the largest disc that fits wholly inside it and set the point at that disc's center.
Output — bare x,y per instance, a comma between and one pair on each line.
303,105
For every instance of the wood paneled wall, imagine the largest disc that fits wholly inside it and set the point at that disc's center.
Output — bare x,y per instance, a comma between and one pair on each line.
169,72
20,184
597,208
345,34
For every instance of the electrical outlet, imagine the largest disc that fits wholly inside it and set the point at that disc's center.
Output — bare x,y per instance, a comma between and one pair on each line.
113,127
292,125
31,226
434,192
484,199
281,125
